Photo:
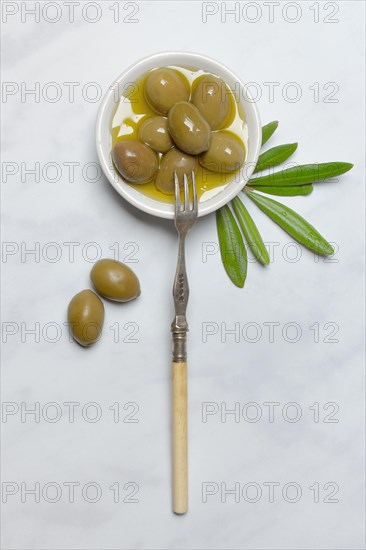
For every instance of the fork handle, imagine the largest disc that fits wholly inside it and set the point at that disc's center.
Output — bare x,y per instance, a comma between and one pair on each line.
179,413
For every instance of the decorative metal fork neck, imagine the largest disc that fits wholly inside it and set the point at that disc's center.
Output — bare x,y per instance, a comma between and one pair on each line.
180,293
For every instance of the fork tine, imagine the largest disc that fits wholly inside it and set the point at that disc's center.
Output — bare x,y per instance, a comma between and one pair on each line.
177,193
194,189
186,192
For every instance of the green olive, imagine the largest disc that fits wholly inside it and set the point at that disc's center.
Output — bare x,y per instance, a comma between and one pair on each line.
164,87
154,132
85,315
225,154
189,130
135,161
174,161
115,281
211,98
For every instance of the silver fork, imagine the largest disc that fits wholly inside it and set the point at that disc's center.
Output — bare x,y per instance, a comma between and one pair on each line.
185,217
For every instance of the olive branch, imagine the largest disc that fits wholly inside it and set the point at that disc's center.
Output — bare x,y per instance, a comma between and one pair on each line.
289,182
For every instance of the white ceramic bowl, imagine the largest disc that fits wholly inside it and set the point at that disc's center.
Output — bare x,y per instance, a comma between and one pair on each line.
106,112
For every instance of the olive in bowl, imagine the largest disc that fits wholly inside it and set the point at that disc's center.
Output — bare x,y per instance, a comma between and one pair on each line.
135,161
155,133
177,161
164,87
225,154
189,130
212,100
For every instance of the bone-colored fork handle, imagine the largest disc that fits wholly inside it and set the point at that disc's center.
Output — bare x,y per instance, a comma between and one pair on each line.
180,463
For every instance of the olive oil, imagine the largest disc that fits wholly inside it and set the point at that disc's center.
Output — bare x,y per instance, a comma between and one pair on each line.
133,108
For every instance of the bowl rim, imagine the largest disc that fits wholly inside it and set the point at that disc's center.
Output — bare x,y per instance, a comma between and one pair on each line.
142,201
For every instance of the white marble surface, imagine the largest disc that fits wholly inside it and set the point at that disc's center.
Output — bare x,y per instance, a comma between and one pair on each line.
306,292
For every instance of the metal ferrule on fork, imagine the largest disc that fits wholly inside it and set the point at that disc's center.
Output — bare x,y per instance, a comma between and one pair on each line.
179,332
179,346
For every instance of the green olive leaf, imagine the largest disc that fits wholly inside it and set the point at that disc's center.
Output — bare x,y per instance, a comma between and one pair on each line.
276,155
292,223
233,251
292,191
303,174
250,231
268,130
